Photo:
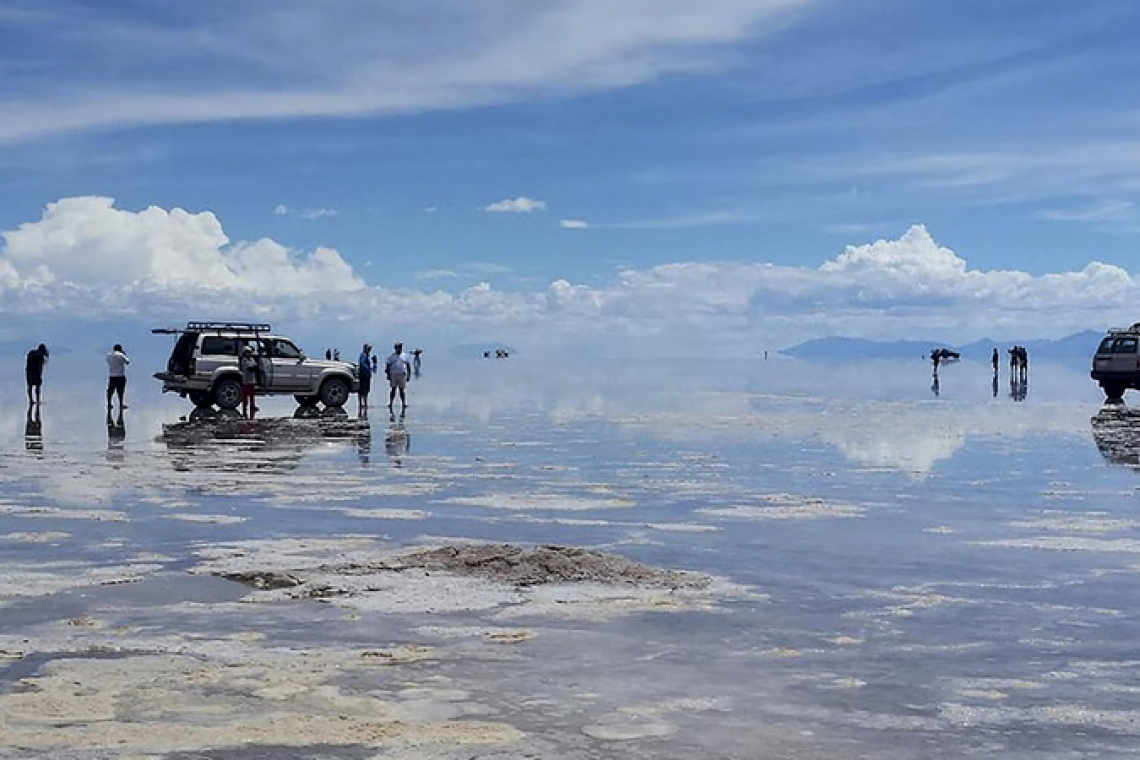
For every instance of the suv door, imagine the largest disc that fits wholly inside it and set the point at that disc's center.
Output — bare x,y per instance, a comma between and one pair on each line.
1123,356
289,371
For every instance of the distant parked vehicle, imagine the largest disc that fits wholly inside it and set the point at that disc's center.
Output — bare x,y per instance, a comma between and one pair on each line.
204,366
1116,364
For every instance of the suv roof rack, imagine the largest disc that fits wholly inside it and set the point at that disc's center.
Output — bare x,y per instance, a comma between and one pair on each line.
253,327
236,326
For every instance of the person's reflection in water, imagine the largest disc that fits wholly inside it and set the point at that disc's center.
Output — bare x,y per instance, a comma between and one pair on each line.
116,435
1018,388
34,430
364,446
396,440
995,383
935,388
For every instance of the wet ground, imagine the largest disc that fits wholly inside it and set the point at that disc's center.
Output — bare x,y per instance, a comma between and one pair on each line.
758,560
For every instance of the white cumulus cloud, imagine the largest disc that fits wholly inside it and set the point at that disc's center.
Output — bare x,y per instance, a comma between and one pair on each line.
573,224
87,241
520,205
87,257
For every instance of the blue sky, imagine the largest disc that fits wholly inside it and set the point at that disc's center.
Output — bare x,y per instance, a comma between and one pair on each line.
632,147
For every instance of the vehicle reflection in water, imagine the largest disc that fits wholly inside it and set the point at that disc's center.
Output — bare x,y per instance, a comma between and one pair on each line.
224,440
1116,431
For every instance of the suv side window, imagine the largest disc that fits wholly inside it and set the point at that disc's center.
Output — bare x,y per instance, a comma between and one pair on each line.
216,345
1124,345
282,349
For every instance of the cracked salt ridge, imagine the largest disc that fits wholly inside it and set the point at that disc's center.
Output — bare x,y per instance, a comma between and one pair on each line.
505,580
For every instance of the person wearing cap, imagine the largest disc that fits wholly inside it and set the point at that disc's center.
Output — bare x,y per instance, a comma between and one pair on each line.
365,365
117,362
396,369
249,369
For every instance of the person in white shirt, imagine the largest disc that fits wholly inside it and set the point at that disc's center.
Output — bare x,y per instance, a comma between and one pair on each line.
117,362
396,370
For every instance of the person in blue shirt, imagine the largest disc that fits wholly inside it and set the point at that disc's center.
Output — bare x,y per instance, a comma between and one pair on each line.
364,367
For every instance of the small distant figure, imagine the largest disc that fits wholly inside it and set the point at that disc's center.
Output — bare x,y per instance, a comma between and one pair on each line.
34,371
416,361
486,354
994,360
336,354
1019,362
328,354
117,362
374,364
396,370
249,374
364,367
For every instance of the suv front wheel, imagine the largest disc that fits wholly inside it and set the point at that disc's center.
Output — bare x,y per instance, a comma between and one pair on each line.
334,392
227,393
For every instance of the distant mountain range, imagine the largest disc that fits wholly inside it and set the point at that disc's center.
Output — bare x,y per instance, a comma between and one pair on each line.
1080,346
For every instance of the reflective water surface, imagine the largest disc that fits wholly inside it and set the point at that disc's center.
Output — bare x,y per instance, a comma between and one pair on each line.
900,570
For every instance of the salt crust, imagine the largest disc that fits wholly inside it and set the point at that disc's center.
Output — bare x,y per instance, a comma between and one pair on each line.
44,580
787,507
359,574
58,513
164,703
538,502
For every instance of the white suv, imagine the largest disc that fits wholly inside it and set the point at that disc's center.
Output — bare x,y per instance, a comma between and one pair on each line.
1116,364
204,366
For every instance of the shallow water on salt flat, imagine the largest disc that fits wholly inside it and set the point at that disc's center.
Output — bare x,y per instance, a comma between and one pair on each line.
929,575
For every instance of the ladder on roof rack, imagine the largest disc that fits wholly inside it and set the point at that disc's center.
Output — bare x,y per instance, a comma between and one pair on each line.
237,326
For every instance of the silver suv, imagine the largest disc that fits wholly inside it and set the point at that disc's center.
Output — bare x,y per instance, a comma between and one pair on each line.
1116,365
204,366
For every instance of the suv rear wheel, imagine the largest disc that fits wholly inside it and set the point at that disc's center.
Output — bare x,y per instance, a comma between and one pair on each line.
1113,391
334,392
227,393
201,399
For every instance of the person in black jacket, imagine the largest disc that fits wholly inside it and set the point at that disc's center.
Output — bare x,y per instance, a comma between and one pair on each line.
34,371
